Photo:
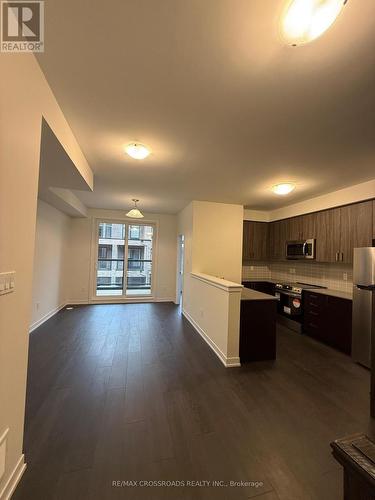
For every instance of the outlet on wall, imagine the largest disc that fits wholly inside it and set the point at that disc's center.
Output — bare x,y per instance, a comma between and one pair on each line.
37,305
345,276
292,270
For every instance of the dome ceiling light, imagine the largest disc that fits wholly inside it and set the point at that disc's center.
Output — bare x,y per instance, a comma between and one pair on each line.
306,20
135,213
137,150
283,188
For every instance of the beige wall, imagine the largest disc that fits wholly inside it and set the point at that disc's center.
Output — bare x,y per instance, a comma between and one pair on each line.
24,97
217,243
80,260
49,276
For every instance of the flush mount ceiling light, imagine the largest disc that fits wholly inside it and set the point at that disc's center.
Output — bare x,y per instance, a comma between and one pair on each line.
135,213
283,188
306,20
137,150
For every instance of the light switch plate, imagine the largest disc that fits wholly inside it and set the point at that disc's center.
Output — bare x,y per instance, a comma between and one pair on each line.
7,282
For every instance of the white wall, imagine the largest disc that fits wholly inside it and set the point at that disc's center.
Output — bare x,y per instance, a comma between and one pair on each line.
80,261
49,276
213,246
24,98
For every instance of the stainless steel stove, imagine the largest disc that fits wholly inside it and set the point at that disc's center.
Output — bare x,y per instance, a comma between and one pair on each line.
295,288
290,303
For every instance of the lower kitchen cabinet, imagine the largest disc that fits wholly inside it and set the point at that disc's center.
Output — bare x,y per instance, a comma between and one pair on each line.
258,330
328,319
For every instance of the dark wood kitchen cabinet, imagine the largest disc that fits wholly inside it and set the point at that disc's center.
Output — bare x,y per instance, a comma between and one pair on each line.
277,239
258,330
328,319
255,240
355,229
327,235
309,226
337,232
340,230
293,229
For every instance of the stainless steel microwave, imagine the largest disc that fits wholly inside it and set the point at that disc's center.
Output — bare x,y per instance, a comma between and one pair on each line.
302,249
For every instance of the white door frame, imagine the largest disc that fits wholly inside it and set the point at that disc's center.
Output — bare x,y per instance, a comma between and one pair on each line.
180,269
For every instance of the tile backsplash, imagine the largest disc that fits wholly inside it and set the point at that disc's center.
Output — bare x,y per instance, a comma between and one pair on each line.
334,276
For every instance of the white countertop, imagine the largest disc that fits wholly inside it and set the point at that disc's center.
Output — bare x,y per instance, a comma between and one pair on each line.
248,294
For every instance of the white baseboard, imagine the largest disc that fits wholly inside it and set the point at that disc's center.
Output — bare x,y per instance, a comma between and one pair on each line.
77,302
119,300
46,317
227,362
14,479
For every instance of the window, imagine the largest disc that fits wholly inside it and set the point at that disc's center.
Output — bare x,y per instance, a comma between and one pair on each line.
131,244
105,252
111,231
135,258
134,232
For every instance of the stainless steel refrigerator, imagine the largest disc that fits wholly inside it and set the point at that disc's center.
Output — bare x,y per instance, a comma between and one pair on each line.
363,313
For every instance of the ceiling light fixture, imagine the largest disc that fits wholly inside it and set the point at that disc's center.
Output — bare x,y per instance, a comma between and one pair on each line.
135,213
283,188
137,150
306,20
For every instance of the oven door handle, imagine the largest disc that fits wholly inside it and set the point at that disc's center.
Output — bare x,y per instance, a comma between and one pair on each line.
304,248
291,294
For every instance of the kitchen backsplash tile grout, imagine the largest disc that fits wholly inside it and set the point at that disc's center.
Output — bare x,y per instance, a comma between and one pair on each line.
328,275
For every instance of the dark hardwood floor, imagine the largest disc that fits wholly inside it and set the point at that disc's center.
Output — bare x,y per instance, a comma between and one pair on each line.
131,393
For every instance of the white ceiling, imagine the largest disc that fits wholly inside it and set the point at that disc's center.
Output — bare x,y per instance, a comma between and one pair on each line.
226,107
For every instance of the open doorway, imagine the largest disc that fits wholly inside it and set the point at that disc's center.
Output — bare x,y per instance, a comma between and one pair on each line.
180,269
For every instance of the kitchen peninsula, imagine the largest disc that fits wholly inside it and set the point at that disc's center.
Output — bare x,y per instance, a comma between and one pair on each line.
257,326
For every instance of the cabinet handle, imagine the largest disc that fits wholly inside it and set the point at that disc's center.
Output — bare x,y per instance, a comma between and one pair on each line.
342,256
337,256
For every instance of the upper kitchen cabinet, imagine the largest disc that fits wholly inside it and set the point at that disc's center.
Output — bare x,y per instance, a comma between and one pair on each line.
337,232
255,240
340,230
293,228
309,226
355,229
277,239
302,227
327,235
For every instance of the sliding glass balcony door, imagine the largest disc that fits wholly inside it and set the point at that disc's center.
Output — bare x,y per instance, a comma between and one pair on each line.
124,259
